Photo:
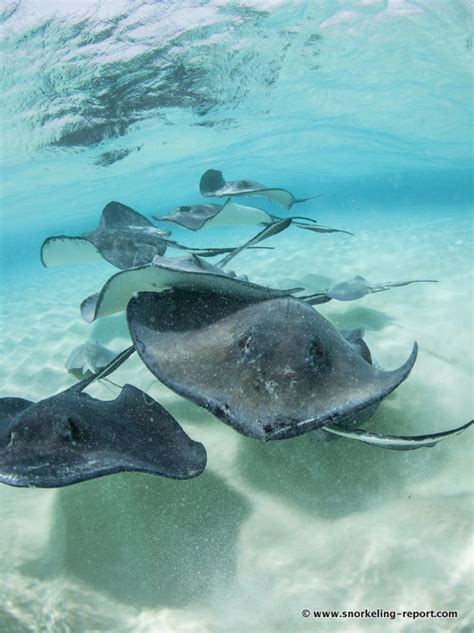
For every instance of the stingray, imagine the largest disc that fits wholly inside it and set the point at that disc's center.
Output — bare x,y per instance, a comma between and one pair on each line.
272,370
190,271
72,437
359,287
87,359
213,184
198,216
124,238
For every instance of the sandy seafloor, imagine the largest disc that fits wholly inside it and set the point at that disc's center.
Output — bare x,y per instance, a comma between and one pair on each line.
269,529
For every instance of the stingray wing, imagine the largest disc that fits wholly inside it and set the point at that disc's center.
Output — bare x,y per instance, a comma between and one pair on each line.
65,250
233,214
9,407
374,392
192,217
116,215
283,197
150,440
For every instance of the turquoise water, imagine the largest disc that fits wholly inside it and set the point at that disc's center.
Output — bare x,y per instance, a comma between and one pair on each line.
368,103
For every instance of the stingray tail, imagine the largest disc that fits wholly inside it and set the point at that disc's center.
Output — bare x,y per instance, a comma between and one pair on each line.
395,442
298,200
304,218
106,371
203,252
315,299
212,252
321,229
272,229
398,284
277,218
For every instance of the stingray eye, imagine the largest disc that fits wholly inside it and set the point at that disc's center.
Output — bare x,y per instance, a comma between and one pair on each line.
316,353
245,183
243,344
76,433
185,209
70,431
10,438
316,349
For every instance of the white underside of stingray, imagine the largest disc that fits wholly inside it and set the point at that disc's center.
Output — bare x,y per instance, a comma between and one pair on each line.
233,214
66,251
279,196
89,357
199,216
155,277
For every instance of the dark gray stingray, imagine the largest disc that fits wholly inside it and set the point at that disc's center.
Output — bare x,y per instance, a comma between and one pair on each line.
359,287
272,370
124,238
188,272
87,359
198,216
72,437
213,184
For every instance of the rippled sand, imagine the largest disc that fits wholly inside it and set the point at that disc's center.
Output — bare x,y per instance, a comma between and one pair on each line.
269,529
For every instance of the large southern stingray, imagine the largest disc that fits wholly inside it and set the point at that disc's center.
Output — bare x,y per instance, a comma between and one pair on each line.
124,238
88,358
213,184
190,271
198,216
358,287
272,370
71,437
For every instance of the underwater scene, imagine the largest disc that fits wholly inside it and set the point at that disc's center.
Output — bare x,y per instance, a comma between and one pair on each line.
236,316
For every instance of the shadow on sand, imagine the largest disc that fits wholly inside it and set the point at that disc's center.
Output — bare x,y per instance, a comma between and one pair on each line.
146,541
106,329
334,478
366,318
